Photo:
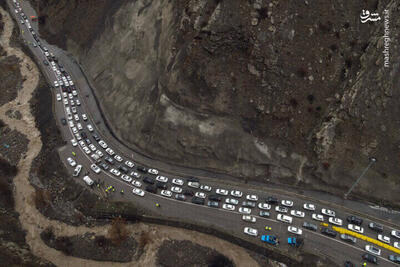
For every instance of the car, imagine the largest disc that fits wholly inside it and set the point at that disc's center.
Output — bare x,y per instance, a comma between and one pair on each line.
148,180
297,213
90,127
78,103
87,150
72,102
328,232
188,192
84,116
281,209
177,181
355,228
373,250
151,189
317,217
71,162
162,179
198,201
56,84
176,189
395,233
244,210
213,204
63,121
92,147
394,258
141,169
76,116
87,140
236,193
74,93
328,212
250,231
336,221
284,218
79,126
228,207
152,171
222,192
126,178
73,142
166,193
77,170
376,227
78,137
354,220
294,230
110,151
193,179
109,160
88,180
70,96
287,203
138,191
96,137
309,206
384,238
104,166
95,157
74,130
180,197
95,168
58,96
348,238
65,102
396,245
232,201
115,172
83,134
162,186
249,218
193,184
129,164
252,197
310,226
205,187
272,200
118,158
200,194
103,144
98,152
249,204
136,183
70,124
135,174
370,258
264,213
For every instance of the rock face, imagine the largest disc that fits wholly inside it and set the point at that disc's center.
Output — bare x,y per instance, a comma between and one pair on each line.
293,92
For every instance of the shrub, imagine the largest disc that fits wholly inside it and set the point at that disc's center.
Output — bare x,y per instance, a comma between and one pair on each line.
118,232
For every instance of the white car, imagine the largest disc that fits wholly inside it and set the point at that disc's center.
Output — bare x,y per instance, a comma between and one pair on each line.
232,201
252,197
98,152
74,93
228,207
103,144
396,245
84,117
95,168
58,97
395,233
88,181
264,206
373,250
73,142
129,164
281,209
177,181
78,137
70,96
336,221
71,124
126,178
56,83
384,238
284,218
222,192
136,183
152,171
76,117
87,150
92,147
355,228
166,193
65,102
79,126
250,231
309,206
317,217
89,127
249,218
287,203
244,210
115,172
118,158
82,143
236,193
294,230
194,184
77,170
205,187
64,95
74,130
297,213
327,212
78,103
74,111
200,194
135,174
138,191
176,189
109,151
162,179
72,102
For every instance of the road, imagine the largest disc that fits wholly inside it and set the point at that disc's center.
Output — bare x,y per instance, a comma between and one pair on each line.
221,219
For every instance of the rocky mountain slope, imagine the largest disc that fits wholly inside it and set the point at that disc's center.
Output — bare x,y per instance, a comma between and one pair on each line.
290,92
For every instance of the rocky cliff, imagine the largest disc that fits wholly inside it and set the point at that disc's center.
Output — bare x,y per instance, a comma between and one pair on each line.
291,92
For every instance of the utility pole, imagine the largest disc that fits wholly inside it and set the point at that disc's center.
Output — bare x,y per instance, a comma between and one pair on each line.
372,160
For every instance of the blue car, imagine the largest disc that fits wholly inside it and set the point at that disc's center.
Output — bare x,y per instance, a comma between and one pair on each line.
270,239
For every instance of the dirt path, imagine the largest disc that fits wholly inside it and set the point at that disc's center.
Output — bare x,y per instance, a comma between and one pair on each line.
34,222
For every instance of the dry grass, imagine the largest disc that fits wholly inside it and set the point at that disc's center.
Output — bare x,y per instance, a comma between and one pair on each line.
118,231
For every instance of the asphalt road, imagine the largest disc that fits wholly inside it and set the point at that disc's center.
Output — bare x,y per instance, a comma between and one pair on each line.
315,242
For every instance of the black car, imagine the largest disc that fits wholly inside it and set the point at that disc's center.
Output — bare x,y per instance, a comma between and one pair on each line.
84,135
354,220
213,204
188,192
123,169
96,137
249,204
193,179
141,169
104,166
376,227
63,121
328,232
394,258
348,264
272,200
151,189
198,201
109,160
87,140
215,198
370,258
180,197
148,180
45,62
310,226
161,185
348,238
264,213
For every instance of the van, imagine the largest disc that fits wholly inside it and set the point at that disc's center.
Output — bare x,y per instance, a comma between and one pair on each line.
284,218
88,181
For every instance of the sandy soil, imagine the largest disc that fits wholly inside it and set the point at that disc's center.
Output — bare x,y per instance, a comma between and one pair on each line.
34,222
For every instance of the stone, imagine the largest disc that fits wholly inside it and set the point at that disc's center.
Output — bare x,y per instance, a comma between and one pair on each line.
254,21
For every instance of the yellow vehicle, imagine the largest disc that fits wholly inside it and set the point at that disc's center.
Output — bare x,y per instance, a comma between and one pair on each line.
324,224
73,153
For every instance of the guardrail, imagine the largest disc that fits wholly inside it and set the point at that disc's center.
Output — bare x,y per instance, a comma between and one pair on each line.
366,238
